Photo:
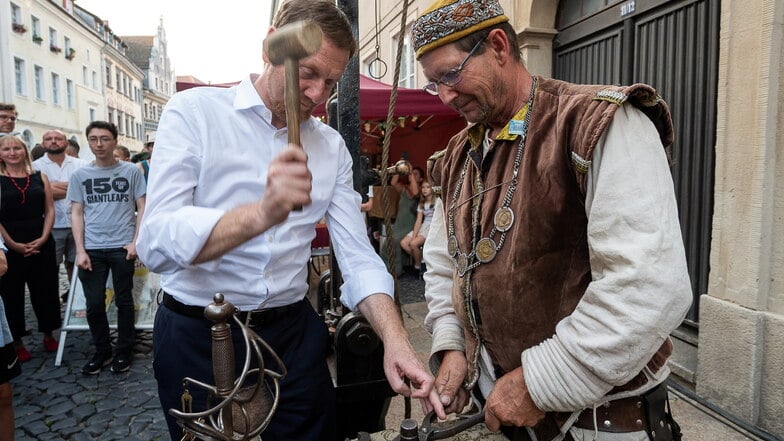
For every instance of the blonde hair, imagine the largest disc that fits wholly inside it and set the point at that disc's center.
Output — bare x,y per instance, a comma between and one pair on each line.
5,139
433,195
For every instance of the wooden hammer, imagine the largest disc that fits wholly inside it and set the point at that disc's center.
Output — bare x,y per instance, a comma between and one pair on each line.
287,45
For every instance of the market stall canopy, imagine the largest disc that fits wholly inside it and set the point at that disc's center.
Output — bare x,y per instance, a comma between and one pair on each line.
373,99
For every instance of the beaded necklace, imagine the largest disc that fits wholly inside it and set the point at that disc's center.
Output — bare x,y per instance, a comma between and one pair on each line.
485,249
22,190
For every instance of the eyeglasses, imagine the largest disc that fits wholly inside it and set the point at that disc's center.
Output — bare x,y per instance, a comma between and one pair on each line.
452,77
103,139
8,118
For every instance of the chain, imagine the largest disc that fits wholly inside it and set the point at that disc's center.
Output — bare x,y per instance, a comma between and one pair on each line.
466,262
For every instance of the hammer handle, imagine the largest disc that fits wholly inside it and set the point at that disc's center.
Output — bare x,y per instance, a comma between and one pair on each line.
291,68
291,98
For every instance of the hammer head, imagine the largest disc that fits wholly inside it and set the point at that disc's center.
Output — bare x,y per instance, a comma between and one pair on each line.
295,40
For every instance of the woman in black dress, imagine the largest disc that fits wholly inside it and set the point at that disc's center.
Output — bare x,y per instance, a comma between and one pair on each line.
26,219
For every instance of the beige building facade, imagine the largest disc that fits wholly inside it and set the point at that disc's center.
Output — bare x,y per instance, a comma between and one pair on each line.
51,61
151,54
735,354
65,68
123,81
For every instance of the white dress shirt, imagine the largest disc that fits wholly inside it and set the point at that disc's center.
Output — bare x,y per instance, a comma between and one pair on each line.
59,173
640,288
212,151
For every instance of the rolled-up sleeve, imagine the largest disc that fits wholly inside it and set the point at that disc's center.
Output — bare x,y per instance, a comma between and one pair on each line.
640,289
173,230
440,321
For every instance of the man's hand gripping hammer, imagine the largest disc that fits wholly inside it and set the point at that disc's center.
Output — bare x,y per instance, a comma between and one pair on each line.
287,45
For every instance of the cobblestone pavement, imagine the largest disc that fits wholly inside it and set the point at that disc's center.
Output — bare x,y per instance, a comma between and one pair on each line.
60,403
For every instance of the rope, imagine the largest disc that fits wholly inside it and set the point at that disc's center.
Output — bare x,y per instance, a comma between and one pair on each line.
390,250
384,175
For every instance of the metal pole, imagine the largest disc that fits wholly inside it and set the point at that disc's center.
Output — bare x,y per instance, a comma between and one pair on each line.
344,117
348,96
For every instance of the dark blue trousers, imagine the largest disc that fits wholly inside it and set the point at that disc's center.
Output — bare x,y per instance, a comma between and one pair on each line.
306,410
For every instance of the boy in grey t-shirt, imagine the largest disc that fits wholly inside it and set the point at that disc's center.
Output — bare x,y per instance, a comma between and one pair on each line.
107,203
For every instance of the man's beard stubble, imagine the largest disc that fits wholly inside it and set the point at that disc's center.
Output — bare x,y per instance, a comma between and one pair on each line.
56,151
278,108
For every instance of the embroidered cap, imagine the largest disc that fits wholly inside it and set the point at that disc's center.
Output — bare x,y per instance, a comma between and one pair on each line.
447,21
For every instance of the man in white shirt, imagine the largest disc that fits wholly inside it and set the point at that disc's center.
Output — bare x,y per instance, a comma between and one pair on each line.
219,222
59,166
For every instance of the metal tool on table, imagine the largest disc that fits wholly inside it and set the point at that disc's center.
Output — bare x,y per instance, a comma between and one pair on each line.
410,431
238,409
287,45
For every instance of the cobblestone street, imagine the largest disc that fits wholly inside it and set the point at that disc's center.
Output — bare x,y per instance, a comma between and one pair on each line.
60,403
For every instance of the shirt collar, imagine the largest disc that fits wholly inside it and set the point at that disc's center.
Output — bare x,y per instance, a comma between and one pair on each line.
476,133
247,97
66,159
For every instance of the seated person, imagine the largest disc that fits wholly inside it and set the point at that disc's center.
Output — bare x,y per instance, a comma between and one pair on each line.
416,238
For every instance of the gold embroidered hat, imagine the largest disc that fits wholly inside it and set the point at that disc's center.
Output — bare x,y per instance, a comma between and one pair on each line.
447,21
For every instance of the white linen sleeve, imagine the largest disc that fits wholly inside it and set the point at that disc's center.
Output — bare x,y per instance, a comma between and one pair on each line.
640,288
173,230
440,321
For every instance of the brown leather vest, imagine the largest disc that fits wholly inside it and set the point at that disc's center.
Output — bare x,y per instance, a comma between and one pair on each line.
541,272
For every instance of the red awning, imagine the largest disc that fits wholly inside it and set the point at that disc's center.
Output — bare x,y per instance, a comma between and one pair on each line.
374,101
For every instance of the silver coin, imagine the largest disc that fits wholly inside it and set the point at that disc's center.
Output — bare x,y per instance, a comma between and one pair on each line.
462,264
504,218
451,245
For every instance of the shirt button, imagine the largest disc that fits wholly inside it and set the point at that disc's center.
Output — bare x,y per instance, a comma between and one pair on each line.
266,274
271,238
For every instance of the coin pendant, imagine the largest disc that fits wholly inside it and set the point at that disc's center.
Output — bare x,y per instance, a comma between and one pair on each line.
462,264
504,218
451,246
485,250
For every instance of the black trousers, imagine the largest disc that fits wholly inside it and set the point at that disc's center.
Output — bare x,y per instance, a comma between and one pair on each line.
306,410
94,285
40,273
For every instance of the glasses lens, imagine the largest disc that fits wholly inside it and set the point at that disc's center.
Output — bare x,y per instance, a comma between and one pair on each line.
451,78
431,88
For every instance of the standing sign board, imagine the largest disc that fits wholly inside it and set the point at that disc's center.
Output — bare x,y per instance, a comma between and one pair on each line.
146,285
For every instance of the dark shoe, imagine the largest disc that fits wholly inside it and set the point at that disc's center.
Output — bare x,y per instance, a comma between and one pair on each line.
93,367
121,364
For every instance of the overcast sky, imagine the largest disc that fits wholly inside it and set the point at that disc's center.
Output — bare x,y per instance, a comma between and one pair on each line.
216,42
